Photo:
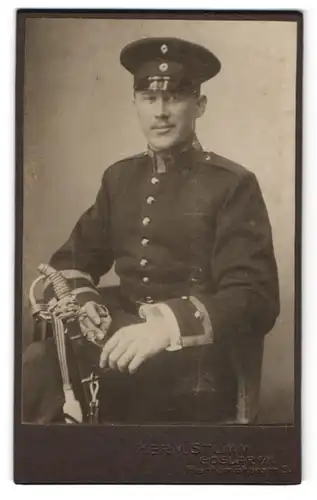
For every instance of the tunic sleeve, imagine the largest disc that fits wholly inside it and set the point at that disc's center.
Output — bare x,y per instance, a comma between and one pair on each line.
245,298
87,254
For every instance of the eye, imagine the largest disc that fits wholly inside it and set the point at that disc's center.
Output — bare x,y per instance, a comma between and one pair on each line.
175,97
148,97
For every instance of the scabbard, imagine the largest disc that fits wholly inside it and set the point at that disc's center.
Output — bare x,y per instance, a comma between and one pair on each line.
83,361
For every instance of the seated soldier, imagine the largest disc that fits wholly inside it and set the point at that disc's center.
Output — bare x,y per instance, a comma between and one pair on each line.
190,237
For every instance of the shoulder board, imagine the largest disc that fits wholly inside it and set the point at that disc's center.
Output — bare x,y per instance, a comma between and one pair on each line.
215,160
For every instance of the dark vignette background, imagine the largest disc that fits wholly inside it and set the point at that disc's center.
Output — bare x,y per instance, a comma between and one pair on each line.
79,118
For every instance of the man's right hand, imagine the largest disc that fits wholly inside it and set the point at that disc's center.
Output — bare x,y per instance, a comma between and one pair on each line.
94,320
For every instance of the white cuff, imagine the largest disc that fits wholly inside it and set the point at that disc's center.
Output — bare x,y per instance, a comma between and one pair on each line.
205,318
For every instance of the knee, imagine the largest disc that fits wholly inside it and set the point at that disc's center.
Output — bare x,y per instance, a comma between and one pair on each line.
37,351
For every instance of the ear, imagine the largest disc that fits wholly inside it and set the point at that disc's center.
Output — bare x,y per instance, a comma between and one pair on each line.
201,105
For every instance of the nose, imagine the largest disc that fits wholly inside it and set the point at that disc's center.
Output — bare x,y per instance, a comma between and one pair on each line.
161,108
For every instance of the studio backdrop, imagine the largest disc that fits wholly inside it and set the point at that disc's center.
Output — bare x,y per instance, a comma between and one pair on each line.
79,118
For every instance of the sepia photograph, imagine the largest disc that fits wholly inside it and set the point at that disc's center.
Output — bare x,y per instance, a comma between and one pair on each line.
159,167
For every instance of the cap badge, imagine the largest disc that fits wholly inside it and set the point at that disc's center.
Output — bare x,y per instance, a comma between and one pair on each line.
158,82
163,67
164,48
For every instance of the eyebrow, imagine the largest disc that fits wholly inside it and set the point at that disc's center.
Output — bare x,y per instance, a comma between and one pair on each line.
147,92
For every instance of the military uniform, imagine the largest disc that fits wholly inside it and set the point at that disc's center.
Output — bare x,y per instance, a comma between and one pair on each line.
189,230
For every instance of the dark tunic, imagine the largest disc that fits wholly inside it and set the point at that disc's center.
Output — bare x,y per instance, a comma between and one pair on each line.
208,235
200,229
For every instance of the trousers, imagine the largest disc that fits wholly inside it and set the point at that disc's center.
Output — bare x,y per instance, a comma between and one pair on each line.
150,395
42,393
191,385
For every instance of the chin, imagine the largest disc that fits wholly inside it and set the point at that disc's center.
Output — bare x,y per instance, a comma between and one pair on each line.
163,143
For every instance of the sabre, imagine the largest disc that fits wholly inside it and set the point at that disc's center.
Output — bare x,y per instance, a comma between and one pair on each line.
63,314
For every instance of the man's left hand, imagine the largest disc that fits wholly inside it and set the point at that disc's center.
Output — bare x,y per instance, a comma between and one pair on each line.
130,346
94,321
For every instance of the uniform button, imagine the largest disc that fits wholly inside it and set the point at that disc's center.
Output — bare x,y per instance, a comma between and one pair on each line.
184,297
207,157
146,221
143,262
144,242
149,300
154,180
150,200
197,314
145,279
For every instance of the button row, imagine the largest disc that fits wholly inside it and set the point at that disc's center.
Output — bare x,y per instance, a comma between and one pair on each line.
150,200
144,242
146,221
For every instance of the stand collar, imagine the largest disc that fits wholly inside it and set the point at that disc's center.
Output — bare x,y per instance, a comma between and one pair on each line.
180,156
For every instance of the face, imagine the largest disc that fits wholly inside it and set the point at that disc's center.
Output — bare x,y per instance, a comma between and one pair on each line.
167,118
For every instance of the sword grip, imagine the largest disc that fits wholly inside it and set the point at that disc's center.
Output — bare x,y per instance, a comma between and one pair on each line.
58,281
